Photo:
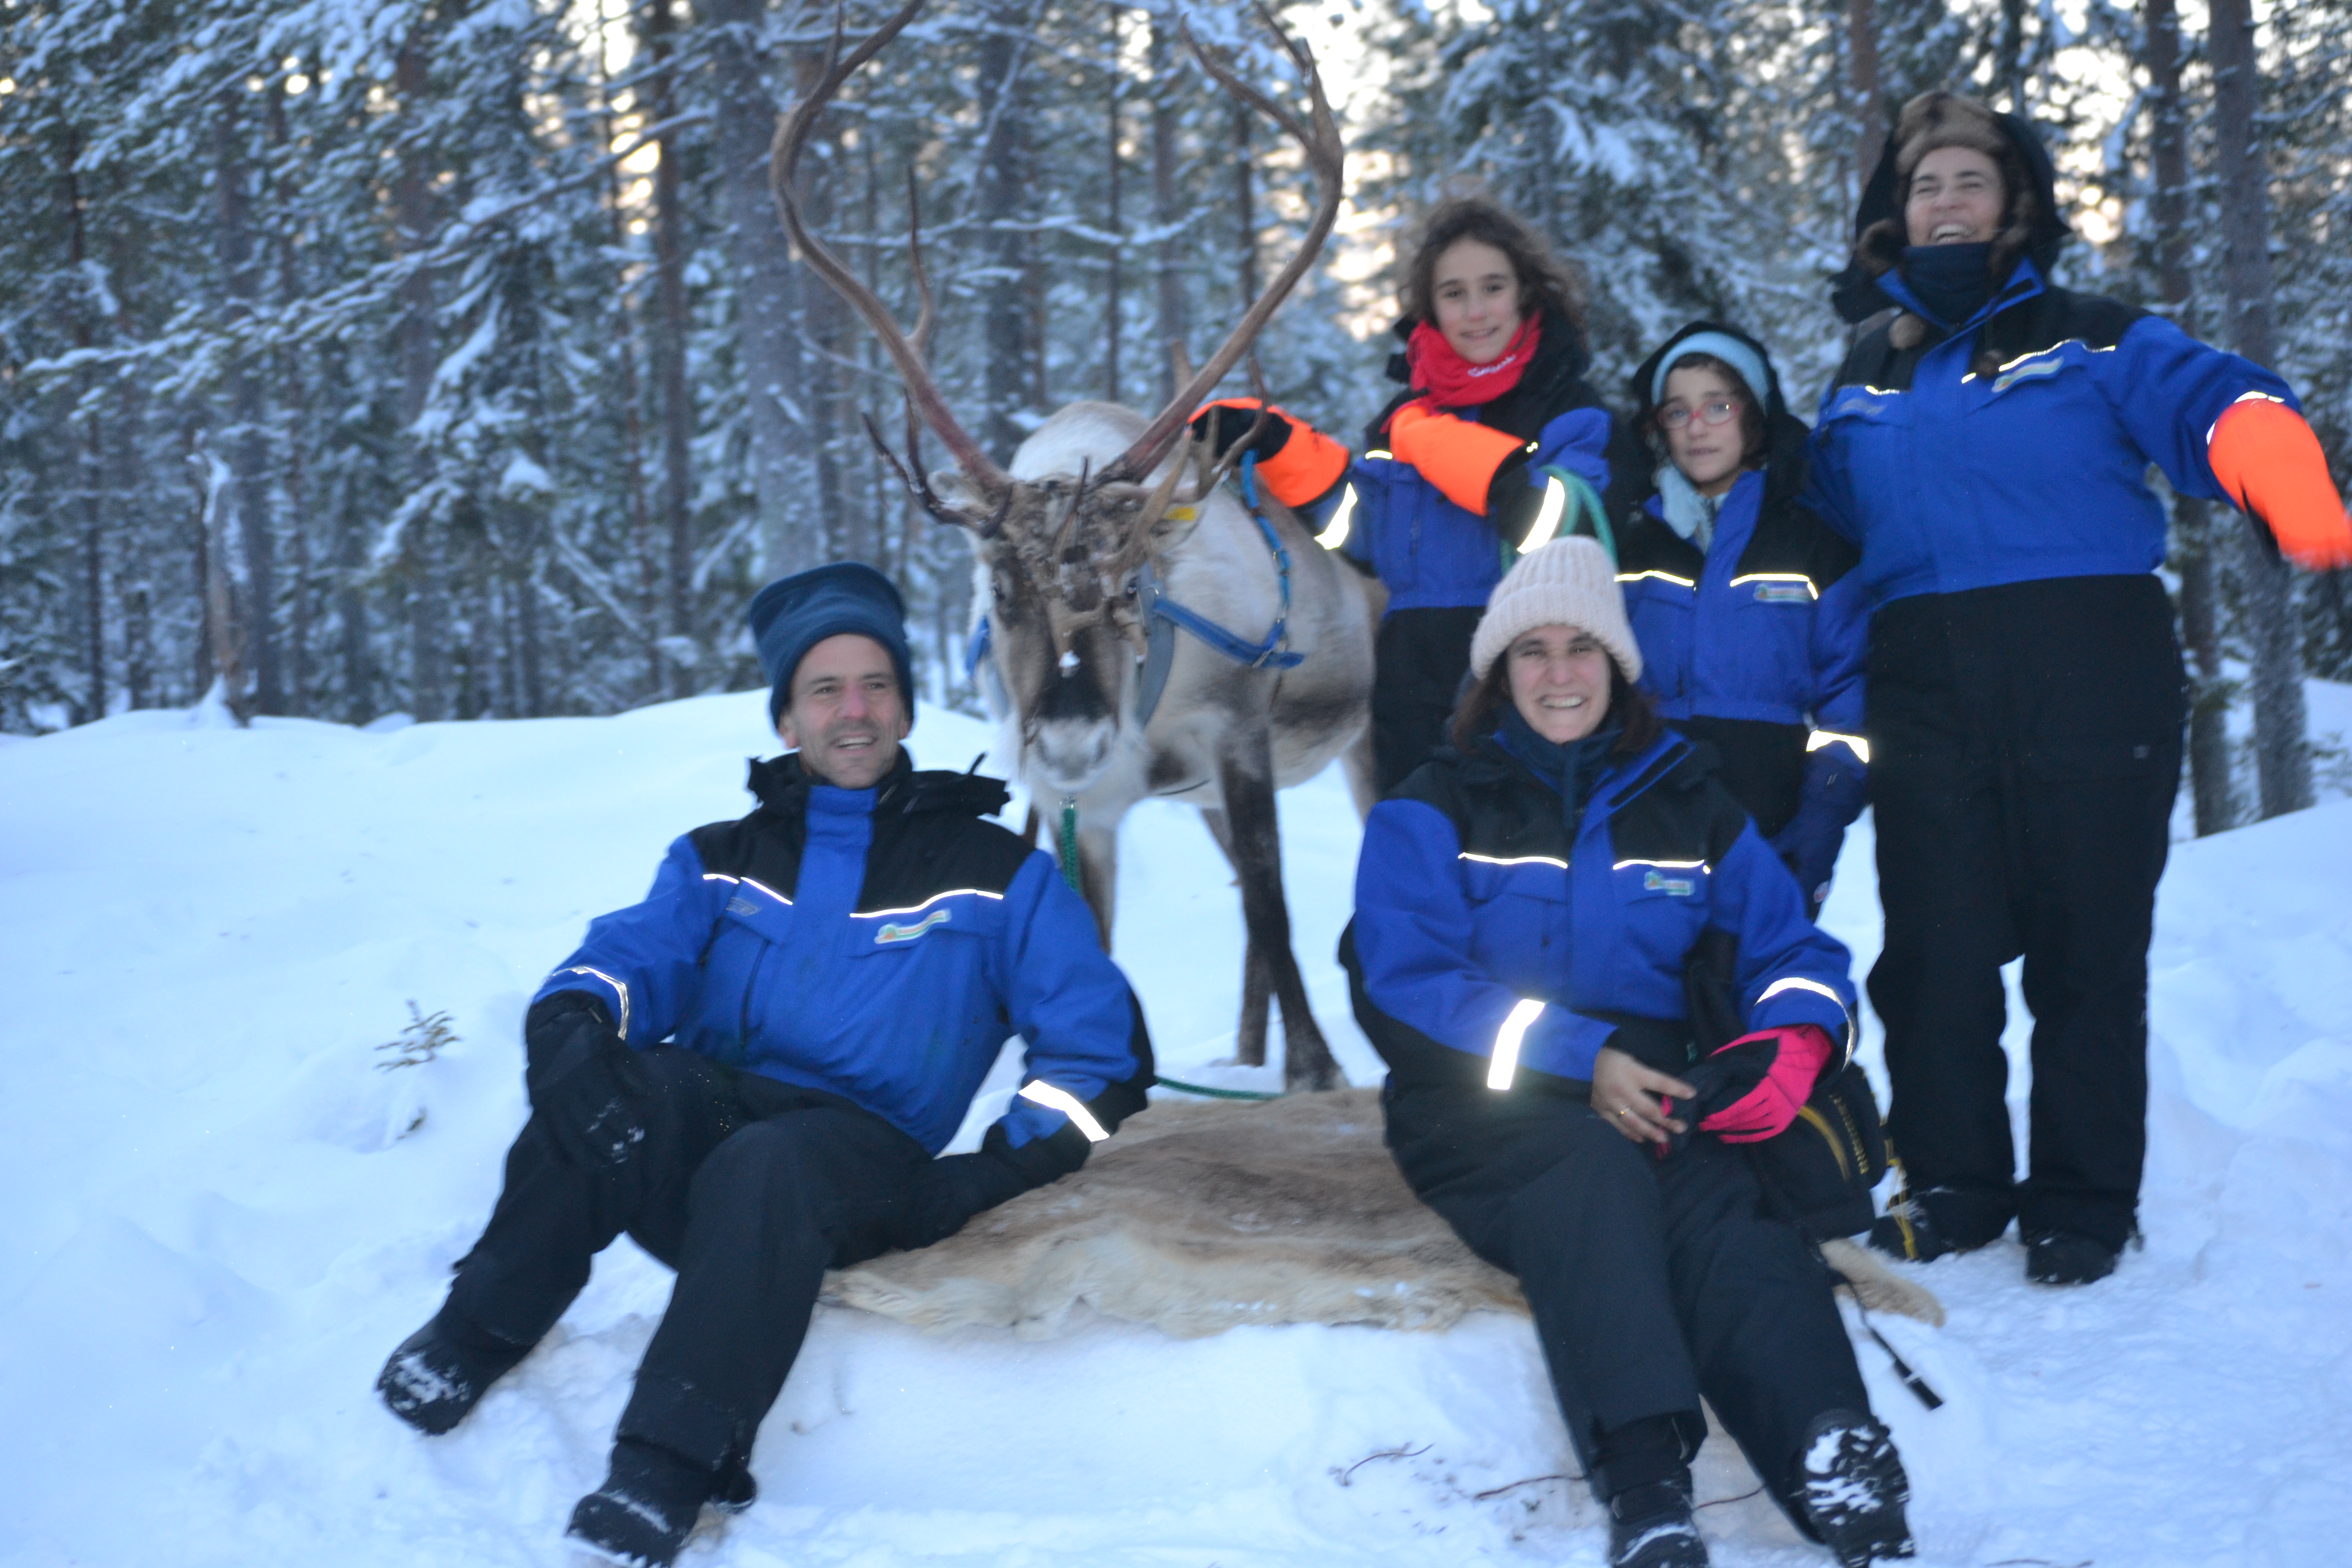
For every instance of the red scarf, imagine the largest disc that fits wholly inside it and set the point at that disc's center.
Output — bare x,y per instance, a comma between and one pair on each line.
1446,380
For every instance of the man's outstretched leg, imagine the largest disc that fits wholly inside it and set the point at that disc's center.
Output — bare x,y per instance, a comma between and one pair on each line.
566,1196
769,1211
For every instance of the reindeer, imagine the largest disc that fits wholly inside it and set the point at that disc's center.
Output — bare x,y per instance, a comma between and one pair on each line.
1101,543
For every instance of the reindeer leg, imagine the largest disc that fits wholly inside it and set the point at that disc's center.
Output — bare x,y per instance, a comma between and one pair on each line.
1098,875
1246,782
1249,1035
1363,777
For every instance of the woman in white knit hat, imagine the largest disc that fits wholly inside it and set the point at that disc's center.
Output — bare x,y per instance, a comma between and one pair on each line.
1528,907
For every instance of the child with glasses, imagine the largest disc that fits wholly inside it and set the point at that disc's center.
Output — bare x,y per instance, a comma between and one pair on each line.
1750,628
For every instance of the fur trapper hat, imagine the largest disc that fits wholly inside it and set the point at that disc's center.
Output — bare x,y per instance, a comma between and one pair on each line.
1569,583
2031,224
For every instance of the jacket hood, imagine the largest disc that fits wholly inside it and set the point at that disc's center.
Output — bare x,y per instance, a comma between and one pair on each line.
1785,435
1878,229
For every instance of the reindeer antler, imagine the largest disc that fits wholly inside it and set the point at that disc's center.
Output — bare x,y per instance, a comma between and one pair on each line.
784,155
1318,136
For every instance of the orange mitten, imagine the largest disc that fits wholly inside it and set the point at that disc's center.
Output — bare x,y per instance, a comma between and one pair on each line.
2270,463
1459,457
1296,462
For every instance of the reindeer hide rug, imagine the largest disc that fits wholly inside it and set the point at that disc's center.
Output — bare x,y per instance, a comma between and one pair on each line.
1198,1217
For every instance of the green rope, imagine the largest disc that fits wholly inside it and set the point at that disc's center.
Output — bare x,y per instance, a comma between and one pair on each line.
1065,838
1065,841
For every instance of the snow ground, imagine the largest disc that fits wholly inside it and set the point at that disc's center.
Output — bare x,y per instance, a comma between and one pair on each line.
219,1219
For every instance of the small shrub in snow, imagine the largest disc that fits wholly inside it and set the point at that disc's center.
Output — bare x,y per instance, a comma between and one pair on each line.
417,1043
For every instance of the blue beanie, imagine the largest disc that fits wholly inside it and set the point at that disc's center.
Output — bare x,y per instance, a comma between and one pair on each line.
1743,361
792,614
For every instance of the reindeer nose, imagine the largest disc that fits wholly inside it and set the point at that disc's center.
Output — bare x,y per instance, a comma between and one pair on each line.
1068,663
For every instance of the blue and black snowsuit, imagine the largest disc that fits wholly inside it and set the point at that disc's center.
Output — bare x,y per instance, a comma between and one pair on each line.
2025,704
810,996
1440,559
1753,640
1480,889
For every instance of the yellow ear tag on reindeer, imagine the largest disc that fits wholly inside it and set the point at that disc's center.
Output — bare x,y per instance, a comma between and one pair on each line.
1181,513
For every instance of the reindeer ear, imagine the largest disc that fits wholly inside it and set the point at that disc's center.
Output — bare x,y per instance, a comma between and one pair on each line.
965,501
1177,523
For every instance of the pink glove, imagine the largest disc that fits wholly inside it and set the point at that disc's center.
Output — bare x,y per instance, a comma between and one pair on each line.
1752,1088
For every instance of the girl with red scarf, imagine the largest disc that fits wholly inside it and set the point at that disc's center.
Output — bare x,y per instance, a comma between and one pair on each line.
1496,445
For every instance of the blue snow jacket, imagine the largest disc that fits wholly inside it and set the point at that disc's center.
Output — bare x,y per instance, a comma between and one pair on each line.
2015,447
1431,553
879,944
1486,948
1768,624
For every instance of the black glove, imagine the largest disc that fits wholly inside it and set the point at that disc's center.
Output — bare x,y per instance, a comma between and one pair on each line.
962,1185
1224,424
584,1083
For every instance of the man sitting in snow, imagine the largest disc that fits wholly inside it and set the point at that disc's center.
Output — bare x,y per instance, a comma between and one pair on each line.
751,1071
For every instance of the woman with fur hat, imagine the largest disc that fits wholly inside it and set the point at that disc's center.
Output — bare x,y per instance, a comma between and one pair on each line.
1751,629
1985,443
1528,906
1495,442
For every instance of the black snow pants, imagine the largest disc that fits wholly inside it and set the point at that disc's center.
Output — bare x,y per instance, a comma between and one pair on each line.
751,1189
1654,1282
1420,657
2025,750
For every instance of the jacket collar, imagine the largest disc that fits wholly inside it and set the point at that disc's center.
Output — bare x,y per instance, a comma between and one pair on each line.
781,785
2023,284
1490,762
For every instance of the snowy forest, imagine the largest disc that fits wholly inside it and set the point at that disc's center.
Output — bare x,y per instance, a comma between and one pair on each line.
446,357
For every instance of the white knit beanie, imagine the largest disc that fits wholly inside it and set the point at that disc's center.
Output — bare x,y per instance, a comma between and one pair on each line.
1568,582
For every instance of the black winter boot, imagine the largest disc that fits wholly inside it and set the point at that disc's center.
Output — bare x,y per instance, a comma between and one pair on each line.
1852,1489
1650,1526
647,1508
441,1371
1922,1227
2063,1257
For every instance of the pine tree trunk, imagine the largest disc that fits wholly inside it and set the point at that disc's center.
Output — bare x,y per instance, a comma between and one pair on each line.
1165,210
1244,213
1111,278
247,440
417,336
766,302
673,502
295,428
1006,374
2210,776
1862,80
91,465
2282,758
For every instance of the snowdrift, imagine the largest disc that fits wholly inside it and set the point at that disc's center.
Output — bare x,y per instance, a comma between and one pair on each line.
222,1214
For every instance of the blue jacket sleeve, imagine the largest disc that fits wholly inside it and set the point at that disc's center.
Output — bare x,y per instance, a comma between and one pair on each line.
1577,441
2168,389
1829,489
1064,997
1841,648
640,961
1413,938
1790,971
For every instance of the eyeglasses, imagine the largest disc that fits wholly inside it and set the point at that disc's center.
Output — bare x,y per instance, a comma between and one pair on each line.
1675,417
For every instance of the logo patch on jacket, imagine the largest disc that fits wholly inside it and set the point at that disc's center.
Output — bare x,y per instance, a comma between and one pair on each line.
893,931
1784,592
2031,370
1673,887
